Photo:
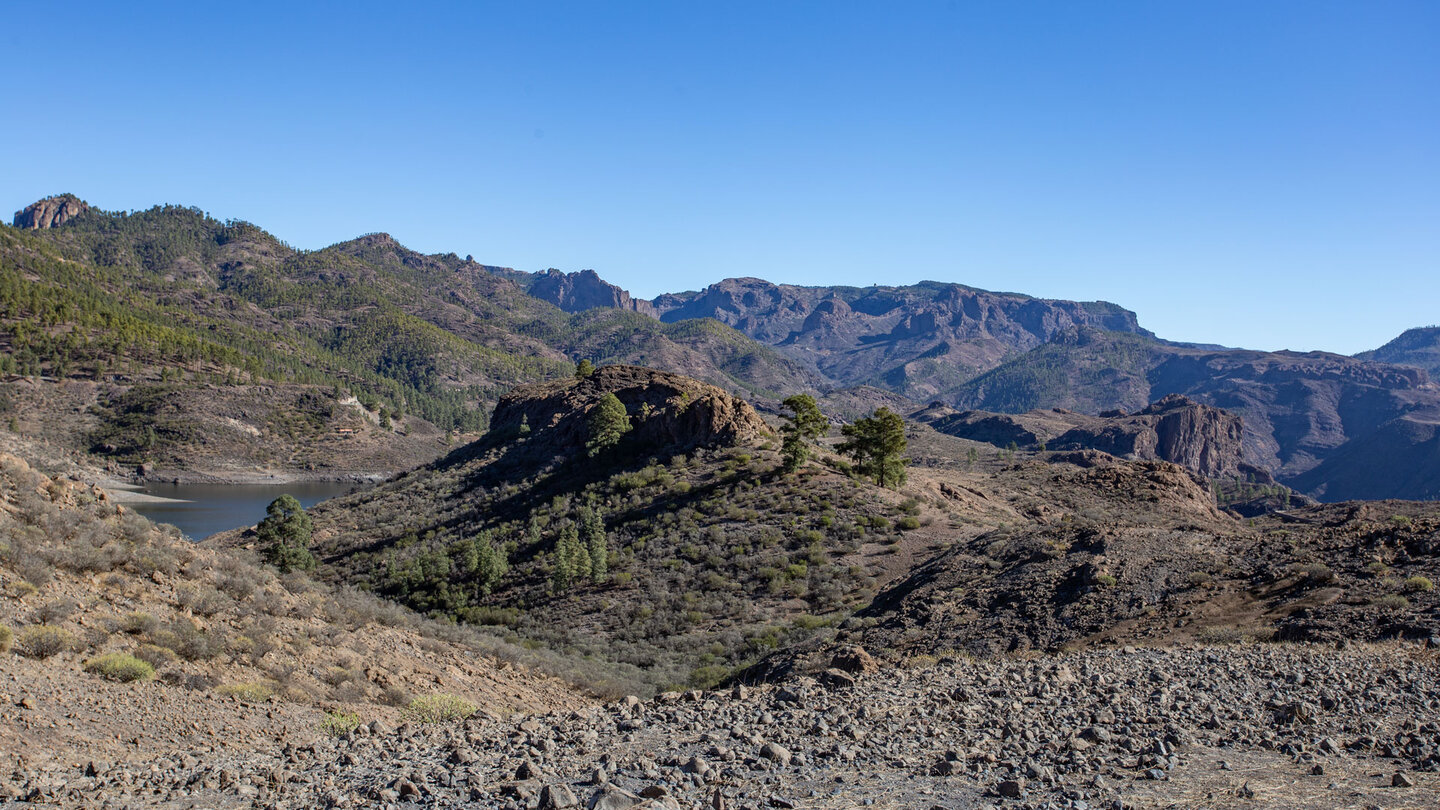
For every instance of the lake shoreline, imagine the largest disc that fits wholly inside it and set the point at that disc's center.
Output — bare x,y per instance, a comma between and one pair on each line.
200,510
263,477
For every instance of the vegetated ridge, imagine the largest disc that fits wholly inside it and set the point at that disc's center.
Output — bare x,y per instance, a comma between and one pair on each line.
169,339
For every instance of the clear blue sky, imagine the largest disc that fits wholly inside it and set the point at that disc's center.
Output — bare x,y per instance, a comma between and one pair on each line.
1264,174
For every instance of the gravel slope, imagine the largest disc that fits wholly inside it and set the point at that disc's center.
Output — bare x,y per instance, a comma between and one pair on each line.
1244,726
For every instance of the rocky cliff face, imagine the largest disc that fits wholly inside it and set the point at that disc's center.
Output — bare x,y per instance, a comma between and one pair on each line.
1201,438
577,292
666,411
1299,409
1198,437
51,212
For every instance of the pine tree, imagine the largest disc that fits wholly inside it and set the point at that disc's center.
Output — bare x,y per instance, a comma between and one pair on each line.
876,443
801,430
491,563
608,422
284,535
572,561
592,533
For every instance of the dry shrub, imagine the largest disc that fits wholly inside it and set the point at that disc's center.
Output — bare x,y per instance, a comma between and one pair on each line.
43,641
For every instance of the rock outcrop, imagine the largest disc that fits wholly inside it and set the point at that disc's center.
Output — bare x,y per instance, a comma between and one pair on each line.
577,292
51,212
666,411
1201,438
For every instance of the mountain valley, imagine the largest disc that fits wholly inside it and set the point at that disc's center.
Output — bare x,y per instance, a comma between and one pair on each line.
758,545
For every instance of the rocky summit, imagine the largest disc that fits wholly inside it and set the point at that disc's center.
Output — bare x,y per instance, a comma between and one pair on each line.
51,212
666,411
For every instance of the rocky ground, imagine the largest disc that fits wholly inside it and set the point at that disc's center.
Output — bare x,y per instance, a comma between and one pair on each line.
1242,726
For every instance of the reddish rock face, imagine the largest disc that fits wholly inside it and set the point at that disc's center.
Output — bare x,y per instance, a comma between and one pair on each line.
51,212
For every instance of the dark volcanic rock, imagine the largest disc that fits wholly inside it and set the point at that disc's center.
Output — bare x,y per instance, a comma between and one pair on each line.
666,410
1198,437
577,292
1201,438
51,212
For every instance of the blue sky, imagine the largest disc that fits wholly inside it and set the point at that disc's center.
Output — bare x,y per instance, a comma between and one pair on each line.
1264,174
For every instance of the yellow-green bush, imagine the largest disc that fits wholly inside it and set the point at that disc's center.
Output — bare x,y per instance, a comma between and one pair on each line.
1418,585
121,667
156,657
6,637
253,692
44,640
439,708
339,724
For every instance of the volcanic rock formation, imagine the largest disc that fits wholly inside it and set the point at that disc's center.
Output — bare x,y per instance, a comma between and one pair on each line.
665,410
51,212
1201,438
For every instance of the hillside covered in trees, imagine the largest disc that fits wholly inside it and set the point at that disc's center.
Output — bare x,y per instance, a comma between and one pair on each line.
169,338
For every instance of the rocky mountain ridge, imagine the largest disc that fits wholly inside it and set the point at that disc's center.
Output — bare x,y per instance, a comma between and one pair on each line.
917,340
1001,352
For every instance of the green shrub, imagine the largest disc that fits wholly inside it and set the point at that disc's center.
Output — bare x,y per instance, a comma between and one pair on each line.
7,636
1199,578
138,623
252,692
440,708
1418,584
1107,580
907,523
1391,601
1377,569
43,641
156,657
120,667
1315,572
339,724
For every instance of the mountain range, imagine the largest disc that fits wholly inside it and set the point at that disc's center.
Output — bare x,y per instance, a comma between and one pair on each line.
596,570
1332,426
367,331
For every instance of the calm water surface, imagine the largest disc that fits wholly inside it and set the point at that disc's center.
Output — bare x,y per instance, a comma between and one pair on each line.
211,508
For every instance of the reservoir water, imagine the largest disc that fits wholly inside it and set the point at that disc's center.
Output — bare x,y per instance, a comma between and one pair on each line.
201,510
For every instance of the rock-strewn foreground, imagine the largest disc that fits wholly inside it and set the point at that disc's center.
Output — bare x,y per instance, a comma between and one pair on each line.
1272,726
